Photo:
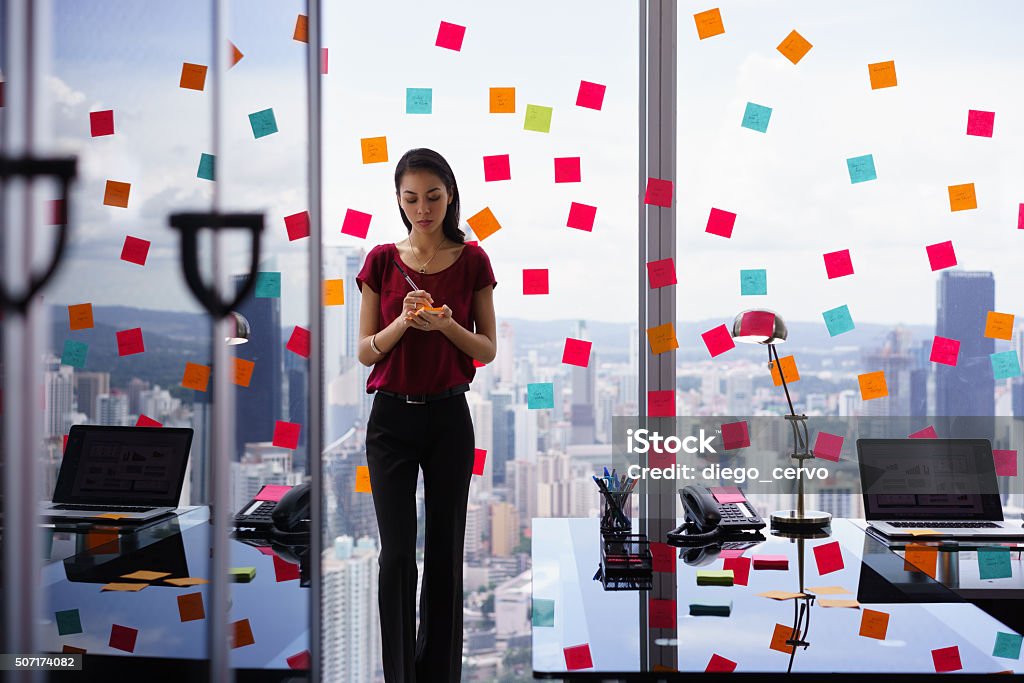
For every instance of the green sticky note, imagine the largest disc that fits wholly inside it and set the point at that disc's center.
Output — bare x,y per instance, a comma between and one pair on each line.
838,320
419,100
263,123
540,395
711,609
205,166
715,577
74,353
538,118
543,612
242,574
69,621
1007,645
268,285
753,282
994,563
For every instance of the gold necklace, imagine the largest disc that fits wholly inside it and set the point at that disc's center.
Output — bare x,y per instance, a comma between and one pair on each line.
423,266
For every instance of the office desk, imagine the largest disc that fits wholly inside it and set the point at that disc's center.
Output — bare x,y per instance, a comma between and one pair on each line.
924,614
81,560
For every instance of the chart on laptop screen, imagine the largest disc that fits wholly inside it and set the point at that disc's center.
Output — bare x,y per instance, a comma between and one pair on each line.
127,468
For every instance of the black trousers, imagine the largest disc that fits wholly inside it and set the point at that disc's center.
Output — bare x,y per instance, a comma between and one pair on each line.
400,439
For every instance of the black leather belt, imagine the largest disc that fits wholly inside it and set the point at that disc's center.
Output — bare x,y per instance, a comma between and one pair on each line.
427,398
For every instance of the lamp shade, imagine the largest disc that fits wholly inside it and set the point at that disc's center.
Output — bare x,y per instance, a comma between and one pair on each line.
759,326
239,329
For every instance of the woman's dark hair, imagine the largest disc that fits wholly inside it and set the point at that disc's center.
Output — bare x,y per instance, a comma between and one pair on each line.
423,159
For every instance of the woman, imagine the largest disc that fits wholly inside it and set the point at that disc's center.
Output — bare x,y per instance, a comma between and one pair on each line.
421,340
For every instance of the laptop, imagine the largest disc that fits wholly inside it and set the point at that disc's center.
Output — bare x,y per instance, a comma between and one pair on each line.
120,475
943,485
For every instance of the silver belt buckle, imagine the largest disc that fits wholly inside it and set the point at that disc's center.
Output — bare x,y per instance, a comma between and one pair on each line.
409,400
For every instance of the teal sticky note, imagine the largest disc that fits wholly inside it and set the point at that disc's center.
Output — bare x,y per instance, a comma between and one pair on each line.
861,169
74,353
268,285
543,612
711,609
419,100
1005,365
263,123
838,320
69,621
538,118
753,282
994,563
540,395
756,116
205,166
1007,645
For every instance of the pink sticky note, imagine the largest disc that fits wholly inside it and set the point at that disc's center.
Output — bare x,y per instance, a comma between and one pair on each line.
323,60
299,660
123,637
828,557
663,558
770,562
735,435
838,264
661,613
135,250
941,255
297,225
479,460
659,192
740,567
945,350
285,571
926,433
567,170
1020,217
578,657
356,223
757,324
720,664
146,421
450,36
661,403
659,459
828,446
980,123
590,95
727,494
535,281
286,434
731,552
130,341
576,352
661,273
497,168
1006,463
718,340
298,342
581,216
102,123
947,659
720,223
272,492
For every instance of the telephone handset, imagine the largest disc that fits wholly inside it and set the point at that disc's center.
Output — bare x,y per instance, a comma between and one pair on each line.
280,512
707,519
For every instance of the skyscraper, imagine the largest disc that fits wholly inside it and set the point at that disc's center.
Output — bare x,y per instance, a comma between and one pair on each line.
963,302
58,396
89,385
258,406
503,432
351,631
583,390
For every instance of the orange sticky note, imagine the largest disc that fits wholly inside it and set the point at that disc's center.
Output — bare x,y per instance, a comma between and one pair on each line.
190,607
241,634
789,371
116,194
236,54
80,316
923,558
484,224
503,100
827,590
301,32
874,624
193,76
186,581
780,595
852,604
962,197
196,376
124,587
794,46
334,292
997,325
111,515
872,385
883,74
145,575
709,23
97,539
363,479
662,338
781,634
243,372
375,150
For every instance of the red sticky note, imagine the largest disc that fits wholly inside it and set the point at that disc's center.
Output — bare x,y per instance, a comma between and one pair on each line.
65,446
285,571
828,557
658,192
661,273
740,567
838,264
661,403
926,433
450,36
356,223
478,364
663,558
479,460
728,494
590,95
578,657
718,340
145,421
720,665
123,637
286,434
135,250
567,170
323,60
657,458
130,341
272,492
535,281
757,324
770,562
980,123
828,446
576,352
721,223
102,122
581,216
941,255
298,342
1006,463
945,351
735,435
661,613
297,225
497,168
946,659
301,659
1020,217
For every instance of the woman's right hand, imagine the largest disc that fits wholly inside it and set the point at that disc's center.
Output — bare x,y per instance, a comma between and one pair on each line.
413,302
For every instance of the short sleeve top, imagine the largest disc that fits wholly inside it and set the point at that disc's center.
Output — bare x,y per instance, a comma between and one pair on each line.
425,362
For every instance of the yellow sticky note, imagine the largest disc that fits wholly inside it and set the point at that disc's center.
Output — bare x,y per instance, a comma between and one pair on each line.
872,385
193,76
828,590
124,587
362,479
883,74
145,575
80,316
925,532
111,515
780,595
794,46
190,607
662,338
962,197
196,376
484,224
116,194
997,325
301,32
874,624
242,574
709,23
503,100
186,581
243,372
780,635
334,292
920,557
851,604
789,371
375,150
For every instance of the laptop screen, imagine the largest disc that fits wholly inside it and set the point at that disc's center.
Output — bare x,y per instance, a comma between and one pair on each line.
934,479
123,465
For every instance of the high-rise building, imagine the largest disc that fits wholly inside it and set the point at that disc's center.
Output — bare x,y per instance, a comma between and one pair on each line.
897,362
968,388
112,409
522,480
582,414
476,517
135,388
502,432
525,432
58,396
504,529
505,360
258,406
739,391
89,385
482,415
351,626
1017,383
261,464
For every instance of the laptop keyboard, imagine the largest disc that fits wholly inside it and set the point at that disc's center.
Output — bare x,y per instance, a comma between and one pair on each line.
102,508
944,525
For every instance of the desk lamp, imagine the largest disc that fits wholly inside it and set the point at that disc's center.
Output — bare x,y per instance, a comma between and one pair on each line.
767,328
240,330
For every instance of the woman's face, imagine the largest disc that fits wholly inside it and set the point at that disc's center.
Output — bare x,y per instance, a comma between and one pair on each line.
424,199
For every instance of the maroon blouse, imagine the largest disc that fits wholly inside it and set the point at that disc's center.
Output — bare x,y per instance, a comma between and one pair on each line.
424,362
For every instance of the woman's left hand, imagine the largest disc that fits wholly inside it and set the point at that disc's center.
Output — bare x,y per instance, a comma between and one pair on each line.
438,322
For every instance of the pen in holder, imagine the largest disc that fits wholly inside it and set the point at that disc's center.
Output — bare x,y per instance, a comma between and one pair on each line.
615,506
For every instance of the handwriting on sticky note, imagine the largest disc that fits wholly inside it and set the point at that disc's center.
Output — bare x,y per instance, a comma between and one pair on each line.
196,376
74,354
497,167
190,607
999,325
838,320
754,282
263,123
80,316
874,624
882,74
130,342
1005,365
661,403
538,118
540,395
659,192
789,371
962,197
709,23
872,385
662,338
268,285
794,46
576,352
374,150
780,635
922,558
484,223
242,375
334,292
1007,645
947,659
661,273
116,194
502,100
193,76
994,563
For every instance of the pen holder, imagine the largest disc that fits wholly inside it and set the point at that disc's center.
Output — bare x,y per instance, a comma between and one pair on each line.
616,508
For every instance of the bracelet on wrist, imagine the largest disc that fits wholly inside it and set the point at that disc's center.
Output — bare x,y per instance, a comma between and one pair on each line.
373,345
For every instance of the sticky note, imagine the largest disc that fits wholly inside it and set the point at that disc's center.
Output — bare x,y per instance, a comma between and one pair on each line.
236,54
299,661
590,95
540,395
941,255
578,657
780,635
581,216
1007,645
658,192
502,101
828,557
661,273
135,250
1005,365
662,338
794,47
661,403
298,342
849,604
74,353
756,117
263,123
479,460
241,633
196,376
484,223
719,664
123,587
1006,463
828,590
922,558
543,612
576,352
567,170
123,637
994,563
727,494
193,76
946,659
661,613
926,433
757,324
780,595
535,281
735,435
205,171
838,264
285,571
110,515
882,74
962,197
720,223
242,371
356,223
838,320
715,577
663,558
190,607
297,225
711,609
873,624
101,123
286,434
497,167
130,342
718,340
146,421
1020,217
301,32
980,123
709,23
116,193
770,562
945,351
334,292
186,581
450,36
924,532
753,282
999,325
69,622
789,371
145,575
272,492
740,568
67,649
80,317
374,150
268,285
242,574
538,118
862,169
101,541
872,385
323,60
419,100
